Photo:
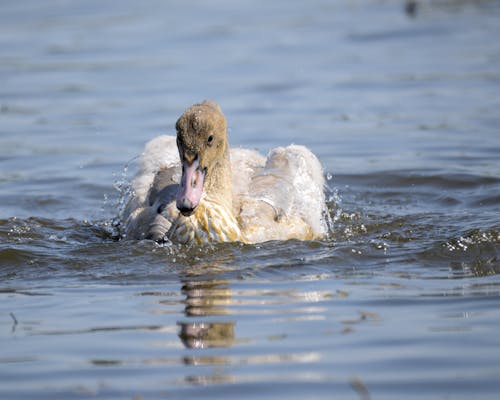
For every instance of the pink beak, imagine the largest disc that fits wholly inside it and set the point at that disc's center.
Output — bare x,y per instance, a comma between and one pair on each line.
190,187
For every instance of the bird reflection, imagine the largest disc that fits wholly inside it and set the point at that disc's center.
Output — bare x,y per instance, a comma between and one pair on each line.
207,298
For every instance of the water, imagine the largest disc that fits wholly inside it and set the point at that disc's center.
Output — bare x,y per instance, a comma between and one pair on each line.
400,302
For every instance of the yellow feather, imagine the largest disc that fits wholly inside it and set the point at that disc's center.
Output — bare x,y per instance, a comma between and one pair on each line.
211,222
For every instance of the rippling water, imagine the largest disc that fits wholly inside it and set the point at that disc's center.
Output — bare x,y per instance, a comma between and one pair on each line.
401,301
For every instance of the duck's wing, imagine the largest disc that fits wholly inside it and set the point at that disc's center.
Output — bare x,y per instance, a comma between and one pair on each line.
151,208
308,186
245,163
159,154
285,198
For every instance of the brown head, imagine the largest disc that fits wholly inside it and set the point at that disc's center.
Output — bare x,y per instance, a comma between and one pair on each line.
204,154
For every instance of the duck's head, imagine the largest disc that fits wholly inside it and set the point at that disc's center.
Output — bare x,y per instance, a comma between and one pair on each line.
203,150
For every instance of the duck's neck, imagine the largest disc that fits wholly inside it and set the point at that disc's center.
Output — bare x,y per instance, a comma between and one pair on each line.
218,184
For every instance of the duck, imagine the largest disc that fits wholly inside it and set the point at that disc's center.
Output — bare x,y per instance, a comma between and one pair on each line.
194,189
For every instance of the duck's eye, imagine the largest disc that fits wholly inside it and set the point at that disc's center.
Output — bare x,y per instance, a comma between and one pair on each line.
210,140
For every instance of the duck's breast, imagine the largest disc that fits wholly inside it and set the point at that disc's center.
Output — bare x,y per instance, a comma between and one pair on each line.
211,222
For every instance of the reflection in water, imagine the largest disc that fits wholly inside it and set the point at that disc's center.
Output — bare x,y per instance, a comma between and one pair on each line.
199,335
213,298
206,298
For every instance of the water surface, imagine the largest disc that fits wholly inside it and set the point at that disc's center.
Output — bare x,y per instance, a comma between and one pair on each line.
401,301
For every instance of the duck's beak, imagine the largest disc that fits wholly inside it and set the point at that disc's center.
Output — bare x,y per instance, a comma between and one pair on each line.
190,186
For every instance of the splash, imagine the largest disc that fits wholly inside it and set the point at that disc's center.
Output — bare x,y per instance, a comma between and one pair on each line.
333,210
475,253
473,238
117,203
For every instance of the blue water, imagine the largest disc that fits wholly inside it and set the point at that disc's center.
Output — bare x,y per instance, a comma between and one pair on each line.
401,301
